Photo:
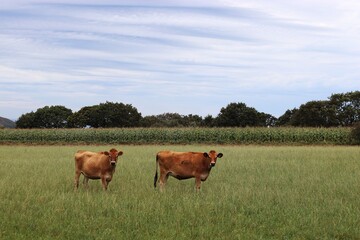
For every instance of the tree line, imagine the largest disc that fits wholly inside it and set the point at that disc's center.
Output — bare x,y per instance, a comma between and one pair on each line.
339,110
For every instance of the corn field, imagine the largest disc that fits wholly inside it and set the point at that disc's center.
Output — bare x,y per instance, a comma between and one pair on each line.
283,136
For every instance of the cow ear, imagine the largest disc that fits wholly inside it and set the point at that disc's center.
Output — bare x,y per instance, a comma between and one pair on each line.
106,153
220,155
120,153
206,154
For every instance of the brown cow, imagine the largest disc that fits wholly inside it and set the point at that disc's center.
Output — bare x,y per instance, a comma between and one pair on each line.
184,165
95,166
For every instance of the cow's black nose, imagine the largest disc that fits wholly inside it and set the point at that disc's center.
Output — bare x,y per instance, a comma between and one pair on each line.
113,163
212,164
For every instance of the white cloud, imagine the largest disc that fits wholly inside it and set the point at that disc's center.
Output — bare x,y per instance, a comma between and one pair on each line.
172,50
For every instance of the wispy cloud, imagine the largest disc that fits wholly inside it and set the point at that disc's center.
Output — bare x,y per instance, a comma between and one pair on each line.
179,56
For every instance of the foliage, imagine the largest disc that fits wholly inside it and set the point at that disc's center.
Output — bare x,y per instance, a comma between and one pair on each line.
347,107
106,115
286,118
172,120
209,121
340,110
266,120
283,136
86,116
314,114
46,117
168,120
239,115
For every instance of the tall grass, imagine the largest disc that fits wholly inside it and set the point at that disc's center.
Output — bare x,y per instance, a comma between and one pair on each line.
254,192
323,136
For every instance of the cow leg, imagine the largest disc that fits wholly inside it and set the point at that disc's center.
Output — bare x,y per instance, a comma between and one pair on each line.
197,183
86,182
163,179
104,183
76,182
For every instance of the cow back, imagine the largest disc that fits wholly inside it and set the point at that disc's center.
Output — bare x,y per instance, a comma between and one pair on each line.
91,164
183,165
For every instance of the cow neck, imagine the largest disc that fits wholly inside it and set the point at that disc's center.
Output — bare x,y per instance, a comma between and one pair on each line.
206,163
110,168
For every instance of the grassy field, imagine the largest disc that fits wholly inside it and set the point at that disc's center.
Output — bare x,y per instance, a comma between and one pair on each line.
254,192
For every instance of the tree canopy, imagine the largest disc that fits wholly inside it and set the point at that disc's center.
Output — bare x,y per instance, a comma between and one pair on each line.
46,117
106,115
339,110
240,115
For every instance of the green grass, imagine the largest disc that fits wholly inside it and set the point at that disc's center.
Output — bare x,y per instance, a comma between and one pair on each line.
254,192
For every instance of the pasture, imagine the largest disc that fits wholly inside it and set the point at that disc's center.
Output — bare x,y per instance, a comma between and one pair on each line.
254,192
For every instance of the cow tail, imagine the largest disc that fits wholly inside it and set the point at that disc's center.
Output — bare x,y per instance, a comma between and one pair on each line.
156,172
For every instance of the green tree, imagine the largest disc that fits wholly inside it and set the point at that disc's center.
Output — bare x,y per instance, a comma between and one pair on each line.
239,115
149,121
26,120
285,119
314,114
106,115
209,121
86,116
347,107
193,120
266,120
172,120
46,117
118,115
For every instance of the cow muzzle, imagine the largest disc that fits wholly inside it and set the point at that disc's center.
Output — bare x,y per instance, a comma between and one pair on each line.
113,163
212,164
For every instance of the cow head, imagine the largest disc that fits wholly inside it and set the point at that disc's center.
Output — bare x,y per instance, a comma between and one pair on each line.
213,157
113,156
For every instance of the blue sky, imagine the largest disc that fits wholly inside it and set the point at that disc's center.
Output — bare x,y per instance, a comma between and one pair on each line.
188,57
